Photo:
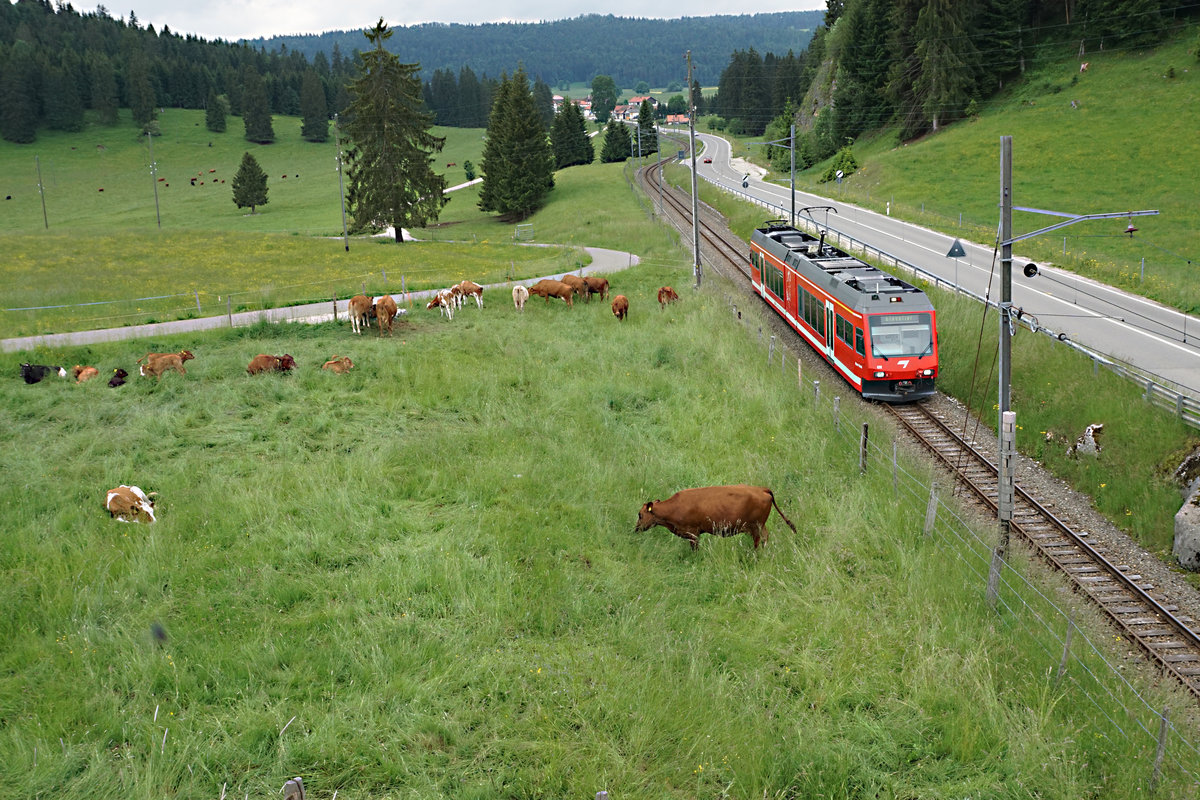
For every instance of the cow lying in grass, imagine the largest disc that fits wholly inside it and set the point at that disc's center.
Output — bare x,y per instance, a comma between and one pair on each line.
34,373
83,373
719,510
129,504
268,363
158,363
339,364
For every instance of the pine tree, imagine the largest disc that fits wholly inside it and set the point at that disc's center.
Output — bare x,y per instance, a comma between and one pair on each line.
103,81
390,158
543,101
256,109
315,127
569,139
250,184
215,110
141,92
647,132
18,95
63,108
616,146
518,164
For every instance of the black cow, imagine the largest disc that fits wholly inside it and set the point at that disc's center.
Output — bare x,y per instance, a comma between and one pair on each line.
118,378
33,373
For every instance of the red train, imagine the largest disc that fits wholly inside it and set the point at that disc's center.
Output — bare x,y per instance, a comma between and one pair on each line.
878,331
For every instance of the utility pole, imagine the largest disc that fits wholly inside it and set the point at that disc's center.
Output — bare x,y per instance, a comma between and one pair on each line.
337,143
154,177
792,147
42,191
695,199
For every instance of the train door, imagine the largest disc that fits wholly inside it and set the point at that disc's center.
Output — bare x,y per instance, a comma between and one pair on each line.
829,329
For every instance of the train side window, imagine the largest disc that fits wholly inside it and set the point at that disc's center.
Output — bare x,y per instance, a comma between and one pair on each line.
859,347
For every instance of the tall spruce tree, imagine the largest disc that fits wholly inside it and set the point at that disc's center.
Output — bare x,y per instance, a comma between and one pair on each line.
62,107
517,164
142,100
249,184
19,110
313,108
215,111
647,132
569,139
256,109
390,158
543,101
616,145
103,84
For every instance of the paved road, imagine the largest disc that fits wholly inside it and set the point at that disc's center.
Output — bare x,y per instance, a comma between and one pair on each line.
602,261
1153,338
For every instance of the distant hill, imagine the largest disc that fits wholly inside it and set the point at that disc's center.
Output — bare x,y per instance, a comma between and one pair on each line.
629,50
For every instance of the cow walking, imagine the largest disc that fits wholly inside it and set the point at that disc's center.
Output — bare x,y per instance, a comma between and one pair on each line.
158,363
359,309
666,295
520,295
620,307
719,510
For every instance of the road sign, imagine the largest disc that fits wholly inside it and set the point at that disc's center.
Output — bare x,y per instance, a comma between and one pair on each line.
956,250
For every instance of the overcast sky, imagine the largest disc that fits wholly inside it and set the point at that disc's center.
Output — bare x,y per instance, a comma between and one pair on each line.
249,19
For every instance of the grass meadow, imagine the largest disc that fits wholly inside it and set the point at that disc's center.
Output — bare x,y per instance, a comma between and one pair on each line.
421,579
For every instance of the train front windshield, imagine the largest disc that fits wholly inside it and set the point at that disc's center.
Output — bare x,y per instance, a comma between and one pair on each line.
901,335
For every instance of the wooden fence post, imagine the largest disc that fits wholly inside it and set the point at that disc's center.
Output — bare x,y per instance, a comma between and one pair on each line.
229,308
931,509
862,450
1162,750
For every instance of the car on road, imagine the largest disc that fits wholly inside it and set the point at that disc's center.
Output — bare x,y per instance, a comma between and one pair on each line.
708,159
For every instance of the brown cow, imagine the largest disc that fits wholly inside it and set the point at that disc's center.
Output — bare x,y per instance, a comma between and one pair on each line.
666,295
577,284
267,363
359,308
471,289
339,364
83,373
129,504
158,363
548,288
385,312
719,510
596,285
620,307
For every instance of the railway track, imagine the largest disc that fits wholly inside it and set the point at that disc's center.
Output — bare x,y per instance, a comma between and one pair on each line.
1134,606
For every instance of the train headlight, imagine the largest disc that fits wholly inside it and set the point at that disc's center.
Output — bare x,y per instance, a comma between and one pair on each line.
927,372
880,374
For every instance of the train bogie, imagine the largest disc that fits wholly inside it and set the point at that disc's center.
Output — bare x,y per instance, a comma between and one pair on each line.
876,330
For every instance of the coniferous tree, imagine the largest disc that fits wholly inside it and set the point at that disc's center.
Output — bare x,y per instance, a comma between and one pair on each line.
948,59
62,107
698,99
215,111
470,96
616,146
141,92
250,184
256,109
569,139
313,108
543,101
518,164
19,110
103,81
390,158
647,132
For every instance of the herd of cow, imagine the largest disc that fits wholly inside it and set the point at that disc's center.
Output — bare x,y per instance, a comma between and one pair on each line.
718,510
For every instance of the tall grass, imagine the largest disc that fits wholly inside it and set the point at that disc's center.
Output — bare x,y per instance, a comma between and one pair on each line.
421,580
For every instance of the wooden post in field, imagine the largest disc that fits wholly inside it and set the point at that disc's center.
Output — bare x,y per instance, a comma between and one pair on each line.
837,407
862,450
1062,664
895,467
771,349
1162,750
817,391
931,509
335,308
199,310
229,308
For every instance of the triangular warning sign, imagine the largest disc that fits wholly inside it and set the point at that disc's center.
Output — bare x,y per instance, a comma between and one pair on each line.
956,250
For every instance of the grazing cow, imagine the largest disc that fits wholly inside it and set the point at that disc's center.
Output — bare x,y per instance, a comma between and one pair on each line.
471,289
443,300
596,285
118,378
33,373
719,510
129,504
339,364
1088,443
158,363
385,312
359,308
520,295
267,363
577,284
666,295
1084,66
548,288
620,307
83,373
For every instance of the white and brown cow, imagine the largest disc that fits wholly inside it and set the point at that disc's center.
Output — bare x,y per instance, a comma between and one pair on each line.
719,510
445,302
471,289
520,295
1088,443
129,504
359,309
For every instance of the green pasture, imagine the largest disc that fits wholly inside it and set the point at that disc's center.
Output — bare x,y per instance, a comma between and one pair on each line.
1129,145
421,580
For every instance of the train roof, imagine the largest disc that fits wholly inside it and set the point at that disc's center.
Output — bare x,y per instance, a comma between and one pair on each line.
853,281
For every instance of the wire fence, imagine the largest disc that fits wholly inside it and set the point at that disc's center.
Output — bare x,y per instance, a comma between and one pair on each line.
1075,663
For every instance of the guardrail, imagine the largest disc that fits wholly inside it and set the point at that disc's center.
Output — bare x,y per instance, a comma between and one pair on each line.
1156,390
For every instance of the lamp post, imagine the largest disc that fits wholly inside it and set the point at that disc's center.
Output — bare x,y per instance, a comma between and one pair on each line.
1007,420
